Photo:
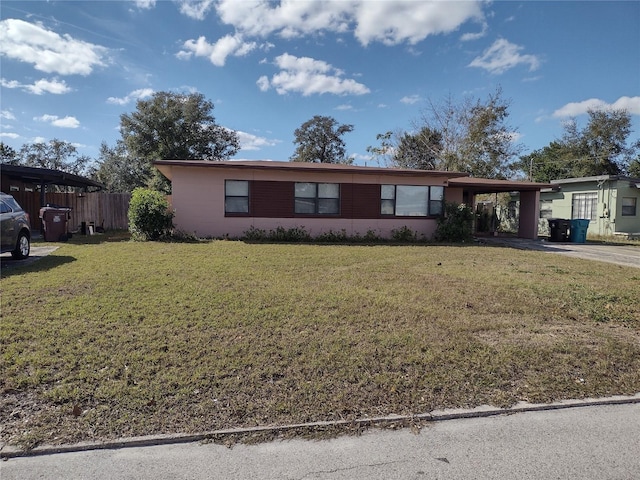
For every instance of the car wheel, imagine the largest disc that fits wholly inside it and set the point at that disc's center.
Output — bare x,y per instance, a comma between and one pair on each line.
23,247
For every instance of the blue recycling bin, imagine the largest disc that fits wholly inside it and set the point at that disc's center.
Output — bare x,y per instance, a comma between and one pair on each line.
578,230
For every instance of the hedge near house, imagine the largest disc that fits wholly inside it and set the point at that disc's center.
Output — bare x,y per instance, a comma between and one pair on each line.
149,215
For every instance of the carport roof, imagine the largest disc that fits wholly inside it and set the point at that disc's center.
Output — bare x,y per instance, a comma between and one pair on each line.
489,185
47,176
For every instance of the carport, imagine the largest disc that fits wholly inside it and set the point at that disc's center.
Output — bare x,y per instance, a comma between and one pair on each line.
465,189
23,182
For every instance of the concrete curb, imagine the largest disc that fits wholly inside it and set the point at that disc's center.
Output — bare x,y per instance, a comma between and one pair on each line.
8,451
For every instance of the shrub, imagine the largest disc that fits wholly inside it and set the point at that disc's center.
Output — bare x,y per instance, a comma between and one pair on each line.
404,234
333,237
456,225
149,215
254,234
294,234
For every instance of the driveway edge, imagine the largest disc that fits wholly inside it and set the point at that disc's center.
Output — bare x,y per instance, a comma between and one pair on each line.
8,451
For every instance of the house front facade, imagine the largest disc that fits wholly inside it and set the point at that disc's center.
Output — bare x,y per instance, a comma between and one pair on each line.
611,203
229,198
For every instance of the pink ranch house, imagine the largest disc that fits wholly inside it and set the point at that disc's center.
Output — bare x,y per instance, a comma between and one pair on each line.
227,198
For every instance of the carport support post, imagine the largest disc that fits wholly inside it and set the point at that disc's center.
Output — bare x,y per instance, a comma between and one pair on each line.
529,214
43,202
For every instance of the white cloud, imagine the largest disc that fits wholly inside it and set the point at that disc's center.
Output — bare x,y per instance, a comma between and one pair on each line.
9,83
218,52
504,55
46,50
66,122
382,21
467,37
249,141
263,83
344,107
135,95
196,9
409,21
7,115
411,99
309,76
9,135
49,86
145,4
39,87
630,104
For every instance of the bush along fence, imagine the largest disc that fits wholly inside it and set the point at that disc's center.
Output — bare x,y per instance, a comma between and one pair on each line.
106,211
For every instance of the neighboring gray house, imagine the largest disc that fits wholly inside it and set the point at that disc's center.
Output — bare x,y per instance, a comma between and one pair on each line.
610,202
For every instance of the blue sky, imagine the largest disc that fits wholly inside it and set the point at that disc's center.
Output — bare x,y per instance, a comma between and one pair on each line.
71,68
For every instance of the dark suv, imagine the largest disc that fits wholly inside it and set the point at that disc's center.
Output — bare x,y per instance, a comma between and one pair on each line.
15,235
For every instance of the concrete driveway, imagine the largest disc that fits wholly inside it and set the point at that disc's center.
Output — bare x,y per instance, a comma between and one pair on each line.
626,255
6,261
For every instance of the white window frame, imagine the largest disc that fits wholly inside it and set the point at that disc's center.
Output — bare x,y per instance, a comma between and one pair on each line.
584,205
630,210
392,195
235,191
312,198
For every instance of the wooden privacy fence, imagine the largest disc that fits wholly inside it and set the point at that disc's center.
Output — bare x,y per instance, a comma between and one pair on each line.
106,210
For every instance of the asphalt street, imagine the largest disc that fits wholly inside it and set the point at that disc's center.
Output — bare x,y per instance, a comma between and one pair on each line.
594,442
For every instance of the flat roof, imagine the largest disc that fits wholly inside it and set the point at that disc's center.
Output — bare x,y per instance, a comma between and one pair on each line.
455,179
305,166
490,185
46,175
597,178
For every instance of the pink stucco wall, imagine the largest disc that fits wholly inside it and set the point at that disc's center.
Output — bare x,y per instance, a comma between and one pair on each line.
198,201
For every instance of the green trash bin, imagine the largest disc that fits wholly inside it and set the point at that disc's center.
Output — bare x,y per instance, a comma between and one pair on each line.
578,230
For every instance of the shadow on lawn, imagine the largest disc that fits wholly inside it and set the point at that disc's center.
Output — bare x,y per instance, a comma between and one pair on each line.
11,267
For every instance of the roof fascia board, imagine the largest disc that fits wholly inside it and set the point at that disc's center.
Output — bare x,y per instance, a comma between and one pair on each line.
307,167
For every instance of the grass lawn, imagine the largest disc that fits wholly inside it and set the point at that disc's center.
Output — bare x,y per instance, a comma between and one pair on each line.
115,338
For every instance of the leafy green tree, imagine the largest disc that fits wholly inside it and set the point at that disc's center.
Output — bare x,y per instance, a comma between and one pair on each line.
56,155
488,148
117,170
419,151
600,148
8,155
172,126
470,136
634,164
549,163
319,140
605,138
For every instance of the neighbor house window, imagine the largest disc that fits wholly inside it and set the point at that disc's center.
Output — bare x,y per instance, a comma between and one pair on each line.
317,198
629,205
236,196
585,205
411,200
546,208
